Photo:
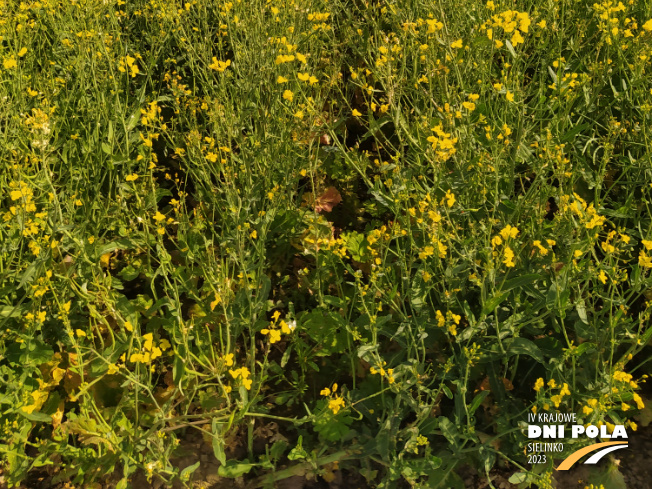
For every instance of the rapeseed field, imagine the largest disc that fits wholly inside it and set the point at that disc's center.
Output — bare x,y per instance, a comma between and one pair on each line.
353,243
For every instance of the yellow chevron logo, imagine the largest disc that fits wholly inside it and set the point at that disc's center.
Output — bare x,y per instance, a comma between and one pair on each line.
605,448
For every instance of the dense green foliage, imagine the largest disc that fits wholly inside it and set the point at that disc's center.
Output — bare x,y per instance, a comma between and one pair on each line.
393,229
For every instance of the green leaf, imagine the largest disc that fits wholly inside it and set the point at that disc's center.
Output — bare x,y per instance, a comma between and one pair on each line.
39,417
518,478
551,297
331,427
445,478
264,288
381,198
233,469
129,273
584,348
298,452
494,302
520,281
10,311
37,353
179,366
647,335
477,401
286,356
331,300
187,472
573,132
448,429
510,48
327,329
581,311
608,477
584,331
119,159
356,245
218,442
418,293
133,120
383,442
523,346
277,449
29,273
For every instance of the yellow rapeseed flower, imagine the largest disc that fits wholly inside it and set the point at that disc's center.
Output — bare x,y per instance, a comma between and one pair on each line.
509,257
274,335
218,65
336,404
509,231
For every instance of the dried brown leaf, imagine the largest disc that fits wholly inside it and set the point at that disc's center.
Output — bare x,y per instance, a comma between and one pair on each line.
327,200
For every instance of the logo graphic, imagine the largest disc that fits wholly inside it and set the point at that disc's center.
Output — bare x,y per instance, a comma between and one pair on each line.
548,438
604,449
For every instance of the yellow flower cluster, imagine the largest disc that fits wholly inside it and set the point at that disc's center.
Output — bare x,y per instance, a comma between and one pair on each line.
451,319
625,381
284,58
218,65
624,377
338,247
149,352
336,402
39,120
306,77
607,13
41,287
434,26
644,260
564,391
318,17
587,213
21,193
389,373
507,233
129,63
150,115
557,398
568,82
430,250
442,143
590,406
510,22
274,332
243,374
543,251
